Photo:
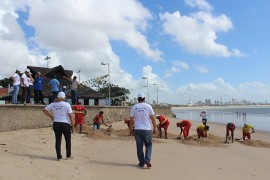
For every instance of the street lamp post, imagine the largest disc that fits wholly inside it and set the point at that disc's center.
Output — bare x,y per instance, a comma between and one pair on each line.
109,78
157,92
47,59
79,76
147,88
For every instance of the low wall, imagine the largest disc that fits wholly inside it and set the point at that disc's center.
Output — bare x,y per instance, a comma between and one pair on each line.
14,117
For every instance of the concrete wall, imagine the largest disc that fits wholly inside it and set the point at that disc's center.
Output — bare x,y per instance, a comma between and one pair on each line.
14,117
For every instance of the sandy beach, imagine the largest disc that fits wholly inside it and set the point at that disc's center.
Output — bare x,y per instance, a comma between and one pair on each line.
111,154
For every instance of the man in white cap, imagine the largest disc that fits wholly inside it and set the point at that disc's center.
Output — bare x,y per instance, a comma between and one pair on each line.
141,115
16,86
62,123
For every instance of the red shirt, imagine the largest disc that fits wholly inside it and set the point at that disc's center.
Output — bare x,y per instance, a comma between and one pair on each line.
79,111
163,120
184,123
98,119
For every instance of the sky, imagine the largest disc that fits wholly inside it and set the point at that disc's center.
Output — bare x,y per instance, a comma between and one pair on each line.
191,50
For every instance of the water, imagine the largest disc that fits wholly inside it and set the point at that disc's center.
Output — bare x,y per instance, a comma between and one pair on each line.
258,117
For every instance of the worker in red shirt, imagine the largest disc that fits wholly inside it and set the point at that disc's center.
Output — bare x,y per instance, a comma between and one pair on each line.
186,125
163,123
80,112
98,120
127,121
230,127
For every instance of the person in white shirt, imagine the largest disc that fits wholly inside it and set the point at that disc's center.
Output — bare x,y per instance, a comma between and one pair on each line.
141,115
204,117
62,123
75,86
30,87
16,86
25,85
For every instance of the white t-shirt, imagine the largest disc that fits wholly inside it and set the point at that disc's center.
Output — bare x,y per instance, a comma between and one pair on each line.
60,111
25,80
17,79
204,115
29,81
74,85
141,112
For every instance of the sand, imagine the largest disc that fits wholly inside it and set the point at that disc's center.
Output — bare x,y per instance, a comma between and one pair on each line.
111,154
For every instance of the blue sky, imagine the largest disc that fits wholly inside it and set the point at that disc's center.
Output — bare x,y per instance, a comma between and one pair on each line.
193,49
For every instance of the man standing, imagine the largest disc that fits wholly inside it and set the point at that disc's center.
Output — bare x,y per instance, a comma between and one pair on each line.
204,117
38,85
140,115
16,86
54,84
75,86
25,85
80,112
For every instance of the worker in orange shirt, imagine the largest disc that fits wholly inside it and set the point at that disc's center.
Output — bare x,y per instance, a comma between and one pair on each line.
186,125
127,121
80,112
163,123
246,131
202,131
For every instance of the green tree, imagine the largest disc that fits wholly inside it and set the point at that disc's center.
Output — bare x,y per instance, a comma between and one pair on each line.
118,94
5,82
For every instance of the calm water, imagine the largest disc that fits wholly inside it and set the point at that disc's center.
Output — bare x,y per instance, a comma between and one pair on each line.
258,117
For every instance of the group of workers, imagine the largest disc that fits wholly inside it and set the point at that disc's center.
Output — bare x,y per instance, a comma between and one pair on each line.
201,130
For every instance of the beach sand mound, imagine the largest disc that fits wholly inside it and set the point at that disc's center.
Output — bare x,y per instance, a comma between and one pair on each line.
210,141
256,143
109,133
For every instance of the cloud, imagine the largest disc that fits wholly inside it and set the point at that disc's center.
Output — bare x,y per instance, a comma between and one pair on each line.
197,32
201,68
200,4
252,91
77,35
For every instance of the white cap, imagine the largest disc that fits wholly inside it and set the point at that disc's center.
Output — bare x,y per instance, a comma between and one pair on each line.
141,95
65,87
157,115
61,95
27,70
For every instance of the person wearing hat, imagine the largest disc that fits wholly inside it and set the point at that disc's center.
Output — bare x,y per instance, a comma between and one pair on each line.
16,86
142,114
163,123
246,131
230,127
202,131
64,89
204,117
80,112
186,125
62,123
25,85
